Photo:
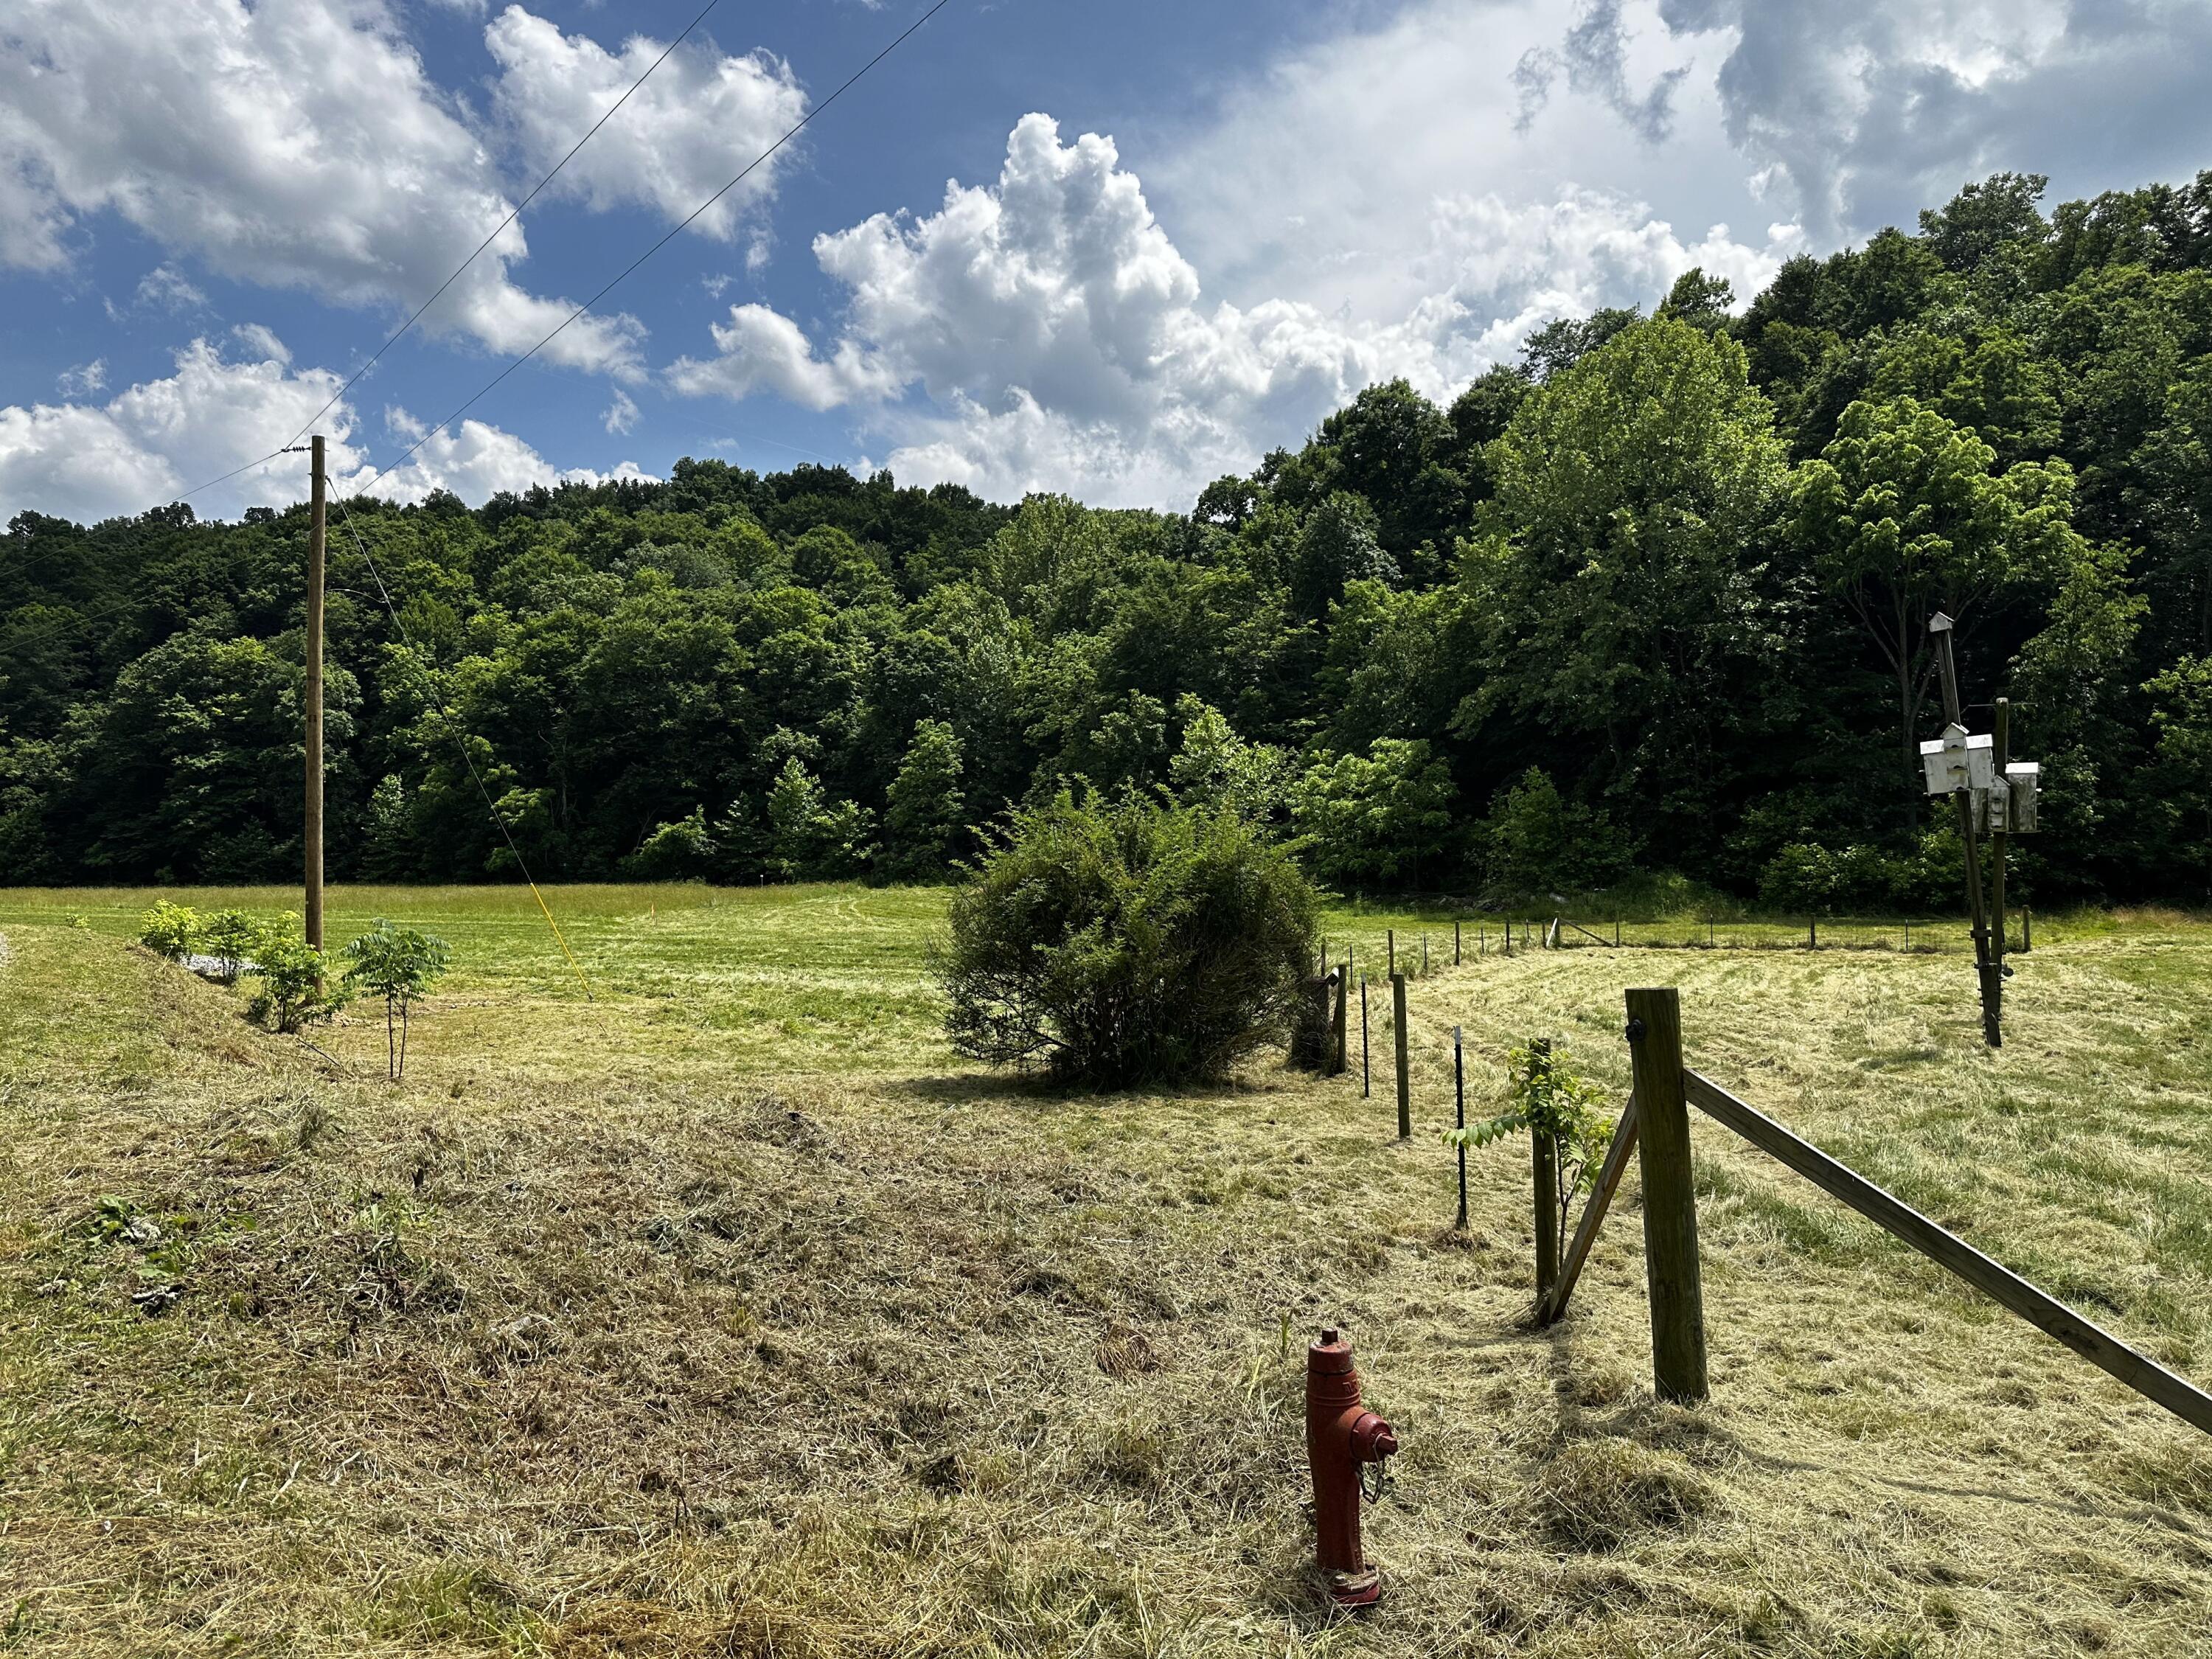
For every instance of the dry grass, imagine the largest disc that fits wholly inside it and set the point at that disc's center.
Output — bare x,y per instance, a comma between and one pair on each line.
604,1335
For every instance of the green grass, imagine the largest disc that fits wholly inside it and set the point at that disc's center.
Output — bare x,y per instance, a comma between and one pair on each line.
728,1312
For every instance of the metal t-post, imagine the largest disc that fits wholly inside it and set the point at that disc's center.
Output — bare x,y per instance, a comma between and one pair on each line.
1459,1118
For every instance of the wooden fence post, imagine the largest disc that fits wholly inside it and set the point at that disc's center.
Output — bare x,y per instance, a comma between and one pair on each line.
1405,1085
1339,1054
1544,1166
2027,930
1390,944
1310,1030
1670,1199
1424,956
1454,944
1812,932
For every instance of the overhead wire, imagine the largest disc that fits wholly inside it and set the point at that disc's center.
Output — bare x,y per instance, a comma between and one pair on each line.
621,276
346,518
675,231
514,213
460,743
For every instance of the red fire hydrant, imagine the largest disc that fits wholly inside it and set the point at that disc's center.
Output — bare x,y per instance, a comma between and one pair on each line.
1342,1439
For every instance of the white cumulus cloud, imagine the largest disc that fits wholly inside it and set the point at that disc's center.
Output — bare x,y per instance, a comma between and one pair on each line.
759,349
158,438
297,143
474,463
152,441
83,379
681,136
1872,109
1045,332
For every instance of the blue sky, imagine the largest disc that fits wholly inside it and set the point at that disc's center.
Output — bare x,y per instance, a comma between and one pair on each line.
1178,234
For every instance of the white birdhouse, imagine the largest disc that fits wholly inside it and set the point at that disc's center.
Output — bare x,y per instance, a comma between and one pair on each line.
2011,810
1958,760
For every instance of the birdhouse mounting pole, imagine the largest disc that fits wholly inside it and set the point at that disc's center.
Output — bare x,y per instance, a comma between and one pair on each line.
1985,966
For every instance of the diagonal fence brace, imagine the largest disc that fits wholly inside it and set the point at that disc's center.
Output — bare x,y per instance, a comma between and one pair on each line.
1946,1249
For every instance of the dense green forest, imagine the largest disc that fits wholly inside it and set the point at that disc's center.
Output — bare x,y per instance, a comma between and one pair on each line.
1653,599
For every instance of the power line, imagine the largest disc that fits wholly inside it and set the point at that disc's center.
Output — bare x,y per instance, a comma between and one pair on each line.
461,743
621,276
513,214
250,465
790,133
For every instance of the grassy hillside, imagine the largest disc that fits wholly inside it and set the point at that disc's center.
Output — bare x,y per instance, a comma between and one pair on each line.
727,1313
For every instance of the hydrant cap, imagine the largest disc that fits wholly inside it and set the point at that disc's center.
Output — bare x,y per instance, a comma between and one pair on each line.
1329,1355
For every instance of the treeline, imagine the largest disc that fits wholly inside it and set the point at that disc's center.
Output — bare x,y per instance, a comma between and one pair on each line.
1654,599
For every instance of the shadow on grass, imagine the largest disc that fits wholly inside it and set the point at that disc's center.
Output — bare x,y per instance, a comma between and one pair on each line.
1045,1090
974,1085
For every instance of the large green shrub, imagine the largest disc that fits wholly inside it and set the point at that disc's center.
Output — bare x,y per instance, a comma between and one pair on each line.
1126,942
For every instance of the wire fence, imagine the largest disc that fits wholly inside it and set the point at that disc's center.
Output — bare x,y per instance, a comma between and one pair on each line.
1429,945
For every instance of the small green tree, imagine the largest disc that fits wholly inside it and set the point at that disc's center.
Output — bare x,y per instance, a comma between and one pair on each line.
1383,816
297,986
231,937
683,849
1539,842
811,837
1550,1098
171,930
926,805
1216,767
1125,943
399,964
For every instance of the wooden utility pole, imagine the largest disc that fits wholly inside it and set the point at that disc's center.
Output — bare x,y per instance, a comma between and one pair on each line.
312,910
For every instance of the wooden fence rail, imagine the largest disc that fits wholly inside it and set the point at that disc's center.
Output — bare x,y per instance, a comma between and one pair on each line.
1654,1123
1946,1249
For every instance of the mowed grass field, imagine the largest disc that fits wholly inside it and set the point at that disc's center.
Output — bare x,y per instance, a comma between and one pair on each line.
726,1311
